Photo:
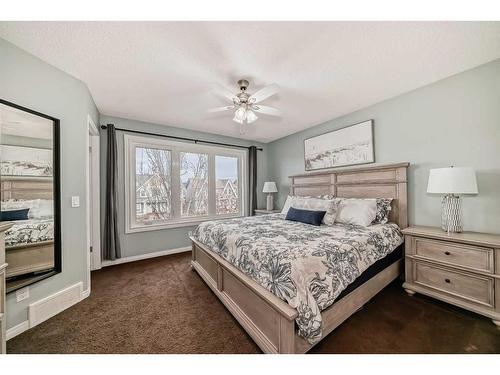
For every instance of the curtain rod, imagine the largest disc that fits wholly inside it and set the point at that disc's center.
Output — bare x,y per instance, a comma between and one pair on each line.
180,138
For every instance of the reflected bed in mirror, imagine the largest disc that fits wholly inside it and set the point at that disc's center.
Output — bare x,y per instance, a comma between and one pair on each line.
29,188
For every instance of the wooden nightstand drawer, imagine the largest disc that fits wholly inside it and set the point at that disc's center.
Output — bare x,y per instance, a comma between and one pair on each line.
459,268
474,257
475,288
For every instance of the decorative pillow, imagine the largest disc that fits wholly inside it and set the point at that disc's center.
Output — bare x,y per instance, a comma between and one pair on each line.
325,196
13,215
356,211
45,209
305,216
383,210
287,205
18,204
330,206
290,198
38,208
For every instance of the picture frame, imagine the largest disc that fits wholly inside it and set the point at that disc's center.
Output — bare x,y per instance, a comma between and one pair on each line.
26,161
350,145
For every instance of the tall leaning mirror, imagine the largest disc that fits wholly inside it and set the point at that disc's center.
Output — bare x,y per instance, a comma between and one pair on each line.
30,194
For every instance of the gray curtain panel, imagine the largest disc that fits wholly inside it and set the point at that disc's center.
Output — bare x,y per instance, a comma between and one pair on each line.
111,243
252,179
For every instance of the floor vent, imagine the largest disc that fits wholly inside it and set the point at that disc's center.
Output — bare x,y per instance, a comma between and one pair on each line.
46,308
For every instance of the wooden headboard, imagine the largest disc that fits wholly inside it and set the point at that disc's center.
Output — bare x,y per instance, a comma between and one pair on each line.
27,188
375,181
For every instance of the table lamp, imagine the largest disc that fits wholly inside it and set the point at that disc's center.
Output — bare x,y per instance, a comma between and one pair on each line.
270,188
452,181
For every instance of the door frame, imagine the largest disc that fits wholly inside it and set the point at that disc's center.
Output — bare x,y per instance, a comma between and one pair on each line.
93,197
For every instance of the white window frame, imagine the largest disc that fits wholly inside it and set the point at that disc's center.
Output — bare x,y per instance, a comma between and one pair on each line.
131,142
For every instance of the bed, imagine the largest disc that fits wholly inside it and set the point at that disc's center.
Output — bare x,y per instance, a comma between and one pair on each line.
29,244
280,313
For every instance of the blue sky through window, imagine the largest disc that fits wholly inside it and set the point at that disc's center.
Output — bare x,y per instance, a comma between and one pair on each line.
226,167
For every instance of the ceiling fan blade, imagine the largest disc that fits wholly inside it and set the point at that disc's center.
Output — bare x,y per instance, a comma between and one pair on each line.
264,93
223,92
221,109
266,110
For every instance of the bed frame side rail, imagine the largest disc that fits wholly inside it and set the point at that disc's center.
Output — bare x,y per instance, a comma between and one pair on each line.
269,320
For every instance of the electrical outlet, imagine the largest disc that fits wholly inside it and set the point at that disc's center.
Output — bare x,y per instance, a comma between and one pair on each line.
75,201
22,294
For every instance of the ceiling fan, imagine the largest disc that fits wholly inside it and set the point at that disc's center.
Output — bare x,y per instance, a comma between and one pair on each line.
245,104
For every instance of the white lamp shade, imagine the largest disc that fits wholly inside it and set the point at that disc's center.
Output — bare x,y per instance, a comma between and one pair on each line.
452,180
270,187
251,116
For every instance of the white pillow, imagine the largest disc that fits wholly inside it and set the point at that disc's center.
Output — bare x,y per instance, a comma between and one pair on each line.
39,208
45,209
287,205
289,200
32,204
318,204
356,211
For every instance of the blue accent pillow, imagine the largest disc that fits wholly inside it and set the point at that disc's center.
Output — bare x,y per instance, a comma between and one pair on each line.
305,216
14,215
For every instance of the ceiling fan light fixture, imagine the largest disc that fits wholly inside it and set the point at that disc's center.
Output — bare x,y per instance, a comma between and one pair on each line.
251,116
235,119
245,104
240,114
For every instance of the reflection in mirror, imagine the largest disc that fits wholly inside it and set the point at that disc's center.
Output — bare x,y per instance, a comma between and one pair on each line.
28,194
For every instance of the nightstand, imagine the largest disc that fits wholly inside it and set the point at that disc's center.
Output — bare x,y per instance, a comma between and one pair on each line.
265,212
459,268
4,226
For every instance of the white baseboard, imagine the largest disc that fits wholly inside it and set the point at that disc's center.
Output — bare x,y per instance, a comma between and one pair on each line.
86,293
17,330
106,263
47,307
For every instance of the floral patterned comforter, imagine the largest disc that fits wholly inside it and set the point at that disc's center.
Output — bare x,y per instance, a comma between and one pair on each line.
306,266
29,231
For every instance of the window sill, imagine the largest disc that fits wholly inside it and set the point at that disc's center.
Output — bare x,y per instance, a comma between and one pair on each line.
178,224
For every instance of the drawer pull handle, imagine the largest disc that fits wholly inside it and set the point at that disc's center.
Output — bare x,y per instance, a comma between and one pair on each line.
447,252
447,280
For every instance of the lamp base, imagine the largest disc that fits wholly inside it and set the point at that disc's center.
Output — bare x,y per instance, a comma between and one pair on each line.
451,214
270,202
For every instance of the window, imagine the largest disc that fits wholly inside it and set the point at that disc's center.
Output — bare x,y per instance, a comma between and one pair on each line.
174,184
194,184
226,185
152,184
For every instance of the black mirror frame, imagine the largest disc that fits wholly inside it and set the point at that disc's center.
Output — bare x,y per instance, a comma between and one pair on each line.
56,179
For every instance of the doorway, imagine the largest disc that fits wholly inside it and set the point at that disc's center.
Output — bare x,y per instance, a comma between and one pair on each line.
93,198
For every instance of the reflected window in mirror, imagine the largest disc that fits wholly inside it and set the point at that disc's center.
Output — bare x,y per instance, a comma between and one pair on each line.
29,179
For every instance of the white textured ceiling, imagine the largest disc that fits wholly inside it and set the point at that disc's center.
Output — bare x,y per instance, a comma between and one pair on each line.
161,71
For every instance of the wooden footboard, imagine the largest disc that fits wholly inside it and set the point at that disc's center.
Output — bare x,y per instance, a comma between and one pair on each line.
266,318
27,258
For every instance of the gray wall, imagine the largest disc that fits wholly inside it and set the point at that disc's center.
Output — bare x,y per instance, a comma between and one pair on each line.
455,121
164,239
32,83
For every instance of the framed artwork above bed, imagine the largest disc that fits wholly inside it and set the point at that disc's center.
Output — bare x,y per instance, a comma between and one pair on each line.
350,145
